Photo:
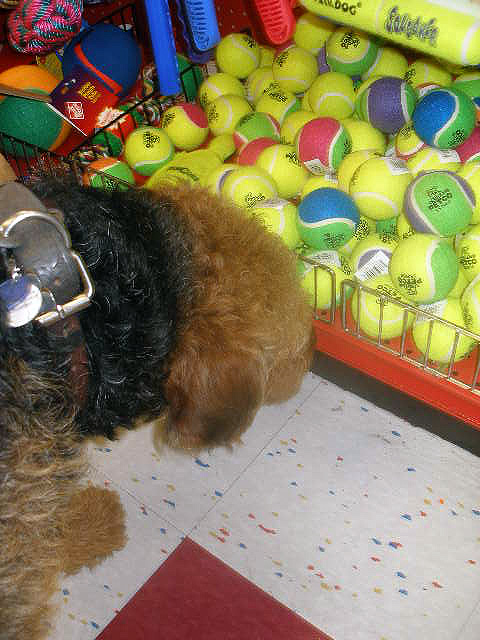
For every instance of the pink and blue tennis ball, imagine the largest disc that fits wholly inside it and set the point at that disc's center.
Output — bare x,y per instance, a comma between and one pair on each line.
439,202
109,53
322,144
388,104
444,118
327,218
255,125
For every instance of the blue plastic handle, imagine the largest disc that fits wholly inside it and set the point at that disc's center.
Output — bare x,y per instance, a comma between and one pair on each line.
163,44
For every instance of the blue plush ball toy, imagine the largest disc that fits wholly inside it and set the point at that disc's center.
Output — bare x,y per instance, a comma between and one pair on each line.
108,52
444,117
327,218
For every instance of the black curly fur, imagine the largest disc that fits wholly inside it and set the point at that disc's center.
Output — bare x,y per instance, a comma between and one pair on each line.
126,239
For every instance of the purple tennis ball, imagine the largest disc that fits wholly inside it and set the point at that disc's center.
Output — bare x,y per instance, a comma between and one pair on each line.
388,104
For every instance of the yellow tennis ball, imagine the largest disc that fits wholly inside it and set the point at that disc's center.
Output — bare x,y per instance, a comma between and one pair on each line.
471,173
363,228
404,228
371,255
280,217
305,101
258,82
237,54
351,51
185,166
214,179
365,136
281,162
278,103
224,113
332,94
378,187
319,182
426,70
431,158
318,281
186,125
407,142
442,337
311,32
267,55
295,69
350,164
219,84
293,123
460,285
249,187
470,303
148,149
389,62
469,252
381,316
223,145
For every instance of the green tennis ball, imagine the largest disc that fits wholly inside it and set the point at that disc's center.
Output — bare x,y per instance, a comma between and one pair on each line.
216,85
350,51
295,69
442,337
255,125
249,186
237,54
469,252
99,174
424,268
281,162
470,172
280,217
332,94
224,113
378,187
364,136
470,302
439,202
148,149
278,103
365,256
379,316
318,281
191,77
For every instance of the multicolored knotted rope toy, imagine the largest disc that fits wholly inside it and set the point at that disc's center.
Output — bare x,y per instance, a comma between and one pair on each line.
40,26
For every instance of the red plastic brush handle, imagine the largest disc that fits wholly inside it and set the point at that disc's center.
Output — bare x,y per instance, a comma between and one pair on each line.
277,19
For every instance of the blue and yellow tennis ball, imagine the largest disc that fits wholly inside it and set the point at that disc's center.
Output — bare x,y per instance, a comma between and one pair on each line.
293,123
312,32
351,51
281,162
109,174
322,144
378,187
387,103
237,54
427,70
319,182
365,256
442,337
470,172
332,94
280,217
224,113
407,142
295,69
249,187
350,164
318,280
424,268
363,135
148,149
216,85
255,124
380,316
444,118
258,82
470,303
468,251
389,62
433,159
439,202
278,103
327,218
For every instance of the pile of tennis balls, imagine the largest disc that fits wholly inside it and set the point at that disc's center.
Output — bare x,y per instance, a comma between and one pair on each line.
363,160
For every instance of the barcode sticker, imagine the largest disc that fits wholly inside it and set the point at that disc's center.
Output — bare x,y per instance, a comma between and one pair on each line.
396,165
447,155
435,308
376,266
315,166
327,257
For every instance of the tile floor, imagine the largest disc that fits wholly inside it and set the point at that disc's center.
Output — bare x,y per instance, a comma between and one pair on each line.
362,523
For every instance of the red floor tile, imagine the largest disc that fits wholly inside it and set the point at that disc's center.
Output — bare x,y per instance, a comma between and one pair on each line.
195,596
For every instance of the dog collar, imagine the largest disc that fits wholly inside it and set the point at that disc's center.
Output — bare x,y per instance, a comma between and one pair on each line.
46,280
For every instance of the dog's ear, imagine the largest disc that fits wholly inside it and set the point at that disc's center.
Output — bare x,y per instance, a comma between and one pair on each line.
213,402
